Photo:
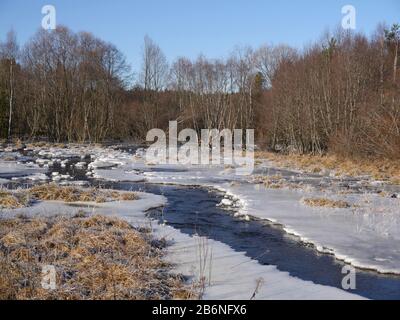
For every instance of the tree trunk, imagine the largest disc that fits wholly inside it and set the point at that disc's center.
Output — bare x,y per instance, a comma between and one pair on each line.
395,61
10,100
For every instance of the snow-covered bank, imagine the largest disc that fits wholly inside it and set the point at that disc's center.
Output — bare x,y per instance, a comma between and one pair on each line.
232,275
365,237
131,208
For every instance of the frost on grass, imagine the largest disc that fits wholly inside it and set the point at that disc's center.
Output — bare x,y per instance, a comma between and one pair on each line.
276,181
325,202
22,198
74,194
95,257
270,181
13,200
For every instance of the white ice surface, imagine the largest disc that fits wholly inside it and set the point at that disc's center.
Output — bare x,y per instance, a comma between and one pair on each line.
232,275
13,169
365,237
3,181
117,175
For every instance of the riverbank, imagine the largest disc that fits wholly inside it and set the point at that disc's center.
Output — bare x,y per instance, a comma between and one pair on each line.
377,169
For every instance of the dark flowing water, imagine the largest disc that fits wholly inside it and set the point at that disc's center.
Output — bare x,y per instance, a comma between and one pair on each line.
194,210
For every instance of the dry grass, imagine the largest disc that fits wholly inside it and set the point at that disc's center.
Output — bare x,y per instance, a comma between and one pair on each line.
9,158
94,257
22,198
38,144
276,182
46,144
13,200
379,169
19,144
74,194
272,182
327,203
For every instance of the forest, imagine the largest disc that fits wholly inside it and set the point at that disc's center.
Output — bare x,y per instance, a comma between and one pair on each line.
340,94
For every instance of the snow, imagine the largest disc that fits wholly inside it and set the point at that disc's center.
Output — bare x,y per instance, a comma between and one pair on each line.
81,183
10,169
4,181
226,202
232,275
117,175
80,165
108,159
102,164
359,237
37,177
133,210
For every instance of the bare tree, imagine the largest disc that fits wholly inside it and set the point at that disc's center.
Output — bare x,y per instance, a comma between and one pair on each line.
154,66
75,84
393,39
9,52
268,58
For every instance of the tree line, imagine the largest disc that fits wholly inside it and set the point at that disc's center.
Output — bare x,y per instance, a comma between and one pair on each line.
341,94
61,85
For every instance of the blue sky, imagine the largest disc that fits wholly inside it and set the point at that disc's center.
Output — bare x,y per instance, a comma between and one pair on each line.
188,28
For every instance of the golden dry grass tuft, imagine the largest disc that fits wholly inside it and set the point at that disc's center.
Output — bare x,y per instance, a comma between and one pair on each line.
74,194
9,158
46,144
276,182
21,198
272,181
327,203
19,144
94,257
38,144
13,200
